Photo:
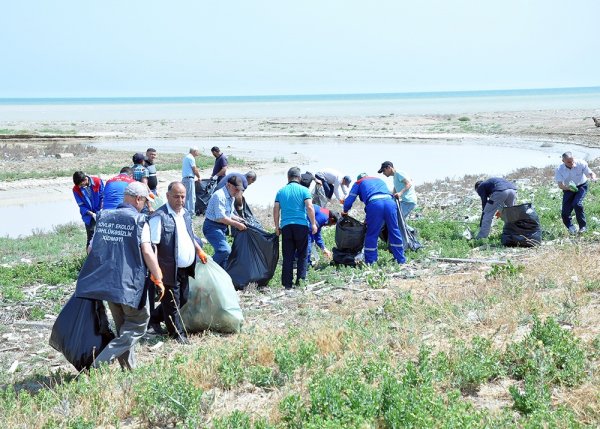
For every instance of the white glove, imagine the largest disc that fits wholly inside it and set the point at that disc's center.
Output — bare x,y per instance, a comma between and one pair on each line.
215,177
93,215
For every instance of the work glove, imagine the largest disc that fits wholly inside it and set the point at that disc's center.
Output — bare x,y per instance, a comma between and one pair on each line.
93,215
202,255
159,285
215,177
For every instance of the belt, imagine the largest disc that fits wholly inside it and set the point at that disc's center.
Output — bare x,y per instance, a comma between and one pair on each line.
188,177
379,197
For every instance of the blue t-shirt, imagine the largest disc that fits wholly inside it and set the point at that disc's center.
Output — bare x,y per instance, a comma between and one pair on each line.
220,162
291,201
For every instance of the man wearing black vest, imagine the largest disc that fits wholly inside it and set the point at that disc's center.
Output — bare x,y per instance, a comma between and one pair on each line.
177,248
115,270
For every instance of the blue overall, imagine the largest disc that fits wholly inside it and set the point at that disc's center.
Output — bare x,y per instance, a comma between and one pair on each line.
380,208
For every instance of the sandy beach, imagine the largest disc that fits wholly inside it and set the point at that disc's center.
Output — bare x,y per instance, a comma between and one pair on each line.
534,129
574,126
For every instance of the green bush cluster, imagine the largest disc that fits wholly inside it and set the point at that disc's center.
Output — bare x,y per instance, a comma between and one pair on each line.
163,396
548,352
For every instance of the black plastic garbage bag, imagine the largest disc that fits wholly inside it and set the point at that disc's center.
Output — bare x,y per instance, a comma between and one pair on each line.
81,331
306,179
253,259
204,190
350,234
248,216
344,257
408,234
521,226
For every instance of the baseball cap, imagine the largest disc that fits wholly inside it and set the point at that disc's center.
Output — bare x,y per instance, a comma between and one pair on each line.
138,189
138,157
385,165
361,175
347,179
236,182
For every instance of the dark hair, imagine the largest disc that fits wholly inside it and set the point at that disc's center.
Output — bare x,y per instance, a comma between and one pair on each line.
235,181
293,173
150,149
215,149
334,218
78,177
127,170
567,155
479,182
251,175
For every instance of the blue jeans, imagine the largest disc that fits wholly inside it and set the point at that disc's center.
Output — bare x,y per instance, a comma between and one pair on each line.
190,194
574,201
215,234
406,208
294,245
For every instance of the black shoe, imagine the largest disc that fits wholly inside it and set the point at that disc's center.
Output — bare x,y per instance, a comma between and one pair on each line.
155,326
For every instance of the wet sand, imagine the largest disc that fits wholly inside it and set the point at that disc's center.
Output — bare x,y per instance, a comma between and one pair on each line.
539,128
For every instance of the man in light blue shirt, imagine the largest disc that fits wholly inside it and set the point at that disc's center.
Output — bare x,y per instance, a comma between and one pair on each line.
571,176
189,172
403,188
294,218
219,214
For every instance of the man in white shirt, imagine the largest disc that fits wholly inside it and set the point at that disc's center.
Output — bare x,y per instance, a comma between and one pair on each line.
571,176
333,182
177,248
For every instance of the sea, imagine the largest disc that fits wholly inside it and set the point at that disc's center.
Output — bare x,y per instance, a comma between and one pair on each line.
169,108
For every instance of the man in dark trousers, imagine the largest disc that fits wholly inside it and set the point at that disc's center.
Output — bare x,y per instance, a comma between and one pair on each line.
220,167
380,208
122,239
177,249
495,193
294,218
572,177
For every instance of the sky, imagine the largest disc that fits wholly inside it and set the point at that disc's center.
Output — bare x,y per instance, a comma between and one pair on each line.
152,48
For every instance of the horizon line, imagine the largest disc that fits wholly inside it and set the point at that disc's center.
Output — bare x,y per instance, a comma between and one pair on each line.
340,95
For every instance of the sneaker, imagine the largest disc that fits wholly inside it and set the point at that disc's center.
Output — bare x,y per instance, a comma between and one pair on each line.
582,229
572,229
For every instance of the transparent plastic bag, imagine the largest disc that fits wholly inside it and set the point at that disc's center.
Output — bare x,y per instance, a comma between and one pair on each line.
213,302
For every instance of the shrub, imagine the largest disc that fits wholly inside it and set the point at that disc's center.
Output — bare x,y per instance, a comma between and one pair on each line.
549,351
163,396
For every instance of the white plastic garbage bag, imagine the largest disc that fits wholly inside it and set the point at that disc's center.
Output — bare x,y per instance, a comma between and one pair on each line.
213,302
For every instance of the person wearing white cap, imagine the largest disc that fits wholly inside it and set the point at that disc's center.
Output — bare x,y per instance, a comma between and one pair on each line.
120,255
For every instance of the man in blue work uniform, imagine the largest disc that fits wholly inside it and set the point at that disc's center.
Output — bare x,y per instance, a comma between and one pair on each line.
324,217
89,194
380,208
495,193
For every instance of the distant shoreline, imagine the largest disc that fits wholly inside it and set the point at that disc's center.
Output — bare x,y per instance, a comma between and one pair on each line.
297,97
